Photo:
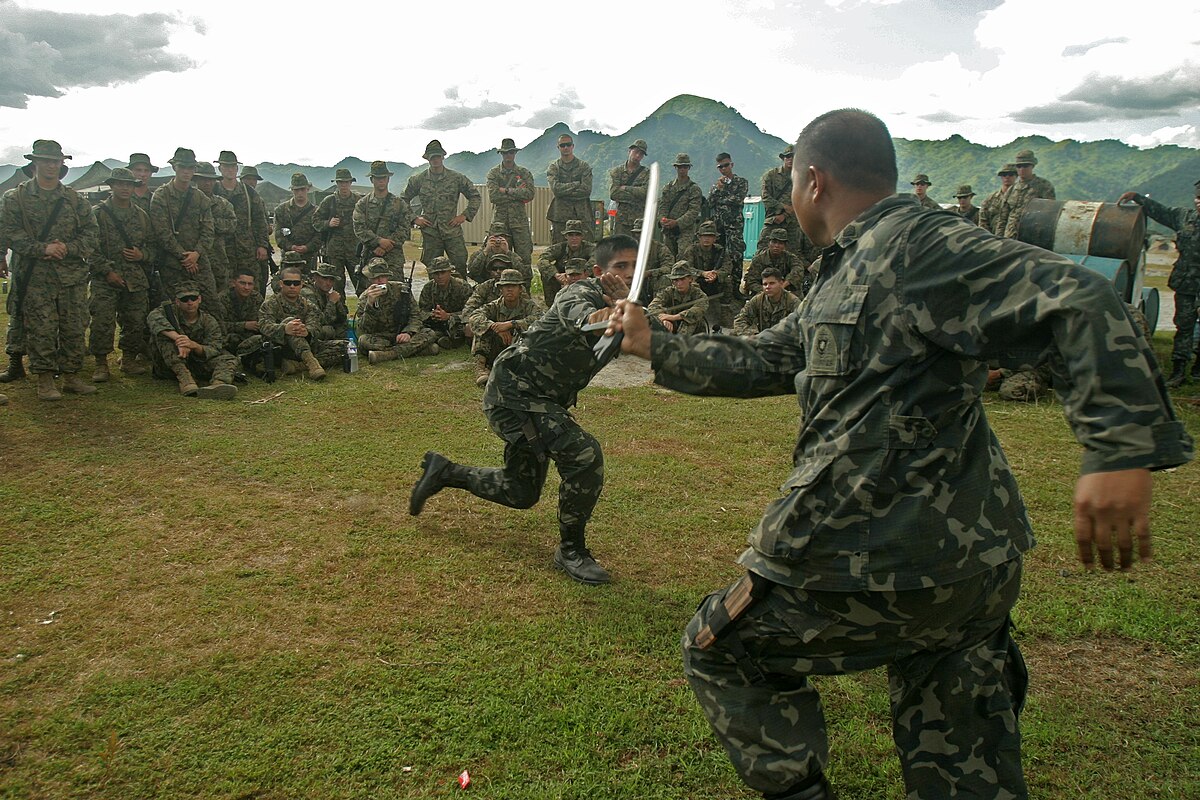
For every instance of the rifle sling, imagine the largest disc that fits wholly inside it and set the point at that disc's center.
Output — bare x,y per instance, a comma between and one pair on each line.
21,279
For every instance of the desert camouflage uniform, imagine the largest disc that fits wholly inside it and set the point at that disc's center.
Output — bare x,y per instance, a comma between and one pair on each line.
378,326
386,218
720,292
272,316
341,246
760,313
453,300
1185,275
438,195
725,203
680,201
553,261
107,303
173,236
224,240
571,185
993,214
214,364
253,231
301,221
233,312
898,536
694,316
477,265
509,208
331,317
629,192
1018,197
793,269
487,343
54,308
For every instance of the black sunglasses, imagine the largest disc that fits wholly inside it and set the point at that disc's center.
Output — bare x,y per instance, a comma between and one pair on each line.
291,283
565,146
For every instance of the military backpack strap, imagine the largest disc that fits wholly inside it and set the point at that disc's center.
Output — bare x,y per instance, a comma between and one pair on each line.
187,201
117,224
169,311
307,208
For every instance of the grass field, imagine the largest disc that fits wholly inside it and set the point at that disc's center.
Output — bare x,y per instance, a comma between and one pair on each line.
205,599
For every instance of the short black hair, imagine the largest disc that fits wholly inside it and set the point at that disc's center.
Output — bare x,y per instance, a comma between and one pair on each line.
251,271
609,246
853,146
724,155
771,272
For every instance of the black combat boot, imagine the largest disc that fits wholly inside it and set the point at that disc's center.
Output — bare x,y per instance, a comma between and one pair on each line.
814,787
15,370
1178,374
573,557
1196,368
435,468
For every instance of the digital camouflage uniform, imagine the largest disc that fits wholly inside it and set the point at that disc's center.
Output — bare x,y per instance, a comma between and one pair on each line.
180,225
301,221
571,184
252,230
215,363
971,214
331,317
993,213
658,267
378,324
487,343
274,314
930,203
509,208
438,195
233,313
110,304
693,306
777,199
680,200
341,245
628,190
720,291
726,204
378,218
1018,197
224,240
760,313
477,265
790,266
453,299
898,536
54,309
553,262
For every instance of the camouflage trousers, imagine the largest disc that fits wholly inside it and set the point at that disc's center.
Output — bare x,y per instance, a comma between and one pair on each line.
453,330
435,243
489,345
1026,385
1185,325
54,318
957,681
419,341
531,441
14,335
213,365
172,275
516,224
340,256
558,228
327,352
627,214
109,304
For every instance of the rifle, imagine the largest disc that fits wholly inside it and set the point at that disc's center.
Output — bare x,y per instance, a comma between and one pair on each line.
22,277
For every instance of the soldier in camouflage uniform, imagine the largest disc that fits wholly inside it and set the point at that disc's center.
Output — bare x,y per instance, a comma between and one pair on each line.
334,221
185,343
253,230
726,202
441,303
498,323
899,535
767,308
236,309
142,168
14,341
534,383
777,257
181,219
510,189
710,264
498,241
658,266
438,190
52,232
224,225
777,203
388,324
993,214
553,260
331,307
682,307
627,187
1028,187
119,288
679,205
487,291
570,180
965,208
1185,277
295,224
577,269
382,221
293,324
921,186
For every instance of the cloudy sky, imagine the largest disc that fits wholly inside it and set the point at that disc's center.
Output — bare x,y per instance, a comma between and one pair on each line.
311,82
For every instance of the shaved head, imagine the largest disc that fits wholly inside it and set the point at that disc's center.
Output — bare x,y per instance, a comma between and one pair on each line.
852,146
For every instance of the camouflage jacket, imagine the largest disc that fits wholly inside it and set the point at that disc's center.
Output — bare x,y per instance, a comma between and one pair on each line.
776,192
1185,275
331,317
658,266
276,308
205,330
725,201
522,315
629,191
453,299
224,226
477,265
381,318
340,239
510,206
28,207
233,312
438,195
761,313
680,201
971,215
670,301
790,266
251,212
300,221
554,258
545,369
177,229
898,481
483,293
1036,188
930,203
142,201
714,259
571,185
110,244
382,218
993,214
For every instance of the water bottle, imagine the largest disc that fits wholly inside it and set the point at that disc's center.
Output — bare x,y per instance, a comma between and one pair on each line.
350,362
268,354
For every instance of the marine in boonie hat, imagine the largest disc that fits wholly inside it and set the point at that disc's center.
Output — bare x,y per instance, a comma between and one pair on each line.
511,277
327,270
507,146
379,170
121,175
434,148
228,157
1025,157
440,264
639,144
682,160
250,172
1007,169
921,178
788,152
47,148
377,268
291,257
300,181
205,170
342,174
681,270
183,158
964,191
141,158
574,226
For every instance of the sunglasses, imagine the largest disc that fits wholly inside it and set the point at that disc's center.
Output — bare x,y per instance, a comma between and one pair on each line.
291,283
189,298
724,166
565,146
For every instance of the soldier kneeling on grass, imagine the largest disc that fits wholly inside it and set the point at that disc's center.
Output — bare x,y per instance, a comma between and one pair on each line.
185,343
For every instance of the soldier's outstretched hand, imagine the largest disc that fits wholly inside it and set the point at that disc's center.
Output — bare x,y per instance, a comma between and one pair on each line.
630,320
1113,507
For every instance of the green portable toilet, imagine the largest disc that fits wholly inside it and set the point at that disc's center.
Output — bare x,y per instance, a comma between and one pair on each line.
752,222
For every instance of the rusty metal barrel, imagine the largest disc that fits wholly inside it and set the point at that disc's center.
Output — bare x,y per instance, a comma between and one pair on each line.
1085,228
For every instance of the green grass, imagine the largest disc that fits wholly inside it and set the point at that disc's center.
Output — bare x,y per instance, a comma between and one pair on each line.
245,609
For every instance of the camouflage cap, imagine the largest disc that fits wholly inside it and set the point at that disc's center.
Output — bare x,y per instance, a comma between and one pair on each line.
1007,169
779,235
574,226
1025,157
300,181
327,270
205,170
500,258
440,264
434,148
183,158
681,270
498,229
291,257
788,152
576,266
964,191
707,228
121,175
342,174
640,144
47,148
507,146
682,160
250,172
377,268
921,178
141,158
186,288
227,157
379,170
511,277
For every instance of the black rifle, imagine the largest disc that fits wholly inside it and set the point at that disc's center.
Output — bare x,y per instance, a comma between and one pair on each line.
21,277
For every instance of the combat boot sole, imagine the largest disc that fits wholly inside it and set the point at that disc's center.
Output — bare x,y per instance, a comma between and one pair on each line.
430,482
217,391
